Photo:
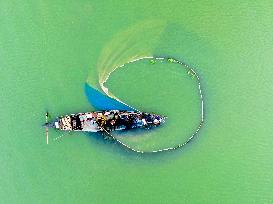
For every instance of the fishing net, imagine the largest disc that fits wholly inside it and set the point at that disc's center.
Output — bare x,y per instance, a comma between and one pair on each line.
131,78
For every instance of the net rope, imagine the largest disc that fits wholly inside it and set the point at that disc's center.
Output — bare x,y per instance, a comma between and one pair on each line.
191,72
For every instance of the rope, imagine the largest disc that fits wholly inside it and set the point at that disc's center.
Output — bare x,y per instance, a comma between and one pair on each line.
191,72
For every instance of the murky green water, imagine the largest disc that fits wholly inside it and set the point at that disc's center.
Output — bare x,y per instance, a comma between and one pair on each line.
49,49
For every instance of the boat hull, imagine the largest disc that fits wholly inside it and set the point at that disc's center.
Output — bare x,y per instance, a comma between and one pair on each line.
111,120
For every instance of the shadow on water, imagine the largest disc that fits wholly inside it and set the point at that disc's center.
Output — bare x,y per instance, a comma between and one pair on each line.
109,146
178,42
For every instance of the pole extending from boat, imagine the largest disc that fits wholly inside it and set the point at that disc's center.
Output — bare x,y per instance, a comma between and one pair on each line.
46,128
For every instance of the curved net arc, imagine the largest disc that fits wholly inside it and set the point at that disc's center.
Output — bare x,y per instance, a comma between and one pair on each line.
172,60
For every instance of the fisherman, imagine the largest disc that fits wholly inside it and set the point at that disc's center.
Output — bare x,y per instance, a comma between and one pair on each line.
144,122
139,121
117,121
101,119
135,121
128,122
149,118
156,122
112,125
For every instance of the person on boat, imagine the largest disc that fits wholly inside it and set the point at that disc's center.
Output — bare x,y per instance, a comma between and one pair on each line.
128,122
117,121
149,118
135,122
112,125
144,122
101,119
131,121
139,122
156,122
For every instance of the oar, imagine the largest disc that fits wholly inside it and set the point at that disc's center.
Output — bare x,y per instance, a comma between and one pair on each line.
46,127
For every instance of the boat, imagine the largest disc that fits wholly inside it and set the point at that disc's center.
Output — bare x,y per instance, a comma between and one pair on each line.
105,121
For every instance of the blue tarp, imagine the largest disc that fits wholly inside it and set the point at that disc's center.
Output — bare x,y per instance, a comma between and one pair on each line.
101,101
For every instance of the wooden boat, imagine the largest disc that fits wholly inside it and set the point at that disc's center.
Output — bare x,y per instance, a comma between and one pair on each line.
106,121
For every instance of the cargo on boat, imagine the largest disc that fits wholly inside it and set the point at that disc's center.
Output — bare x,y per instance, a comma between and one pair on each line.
110,120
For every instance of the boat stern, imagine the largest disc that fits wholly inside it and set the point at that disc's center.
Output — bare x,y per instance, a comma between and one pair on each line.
54,124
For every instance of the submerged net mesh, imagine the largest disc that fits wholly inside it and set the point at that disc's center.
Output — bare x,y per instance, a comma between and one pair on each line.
152,60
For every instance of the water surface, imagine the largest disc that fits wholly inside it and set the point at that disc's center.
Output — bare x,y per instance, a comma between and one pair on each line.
49,49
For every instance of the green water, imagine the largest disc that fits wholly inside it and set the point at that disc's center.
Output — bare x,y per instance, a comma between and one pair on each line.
48,49
150,91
